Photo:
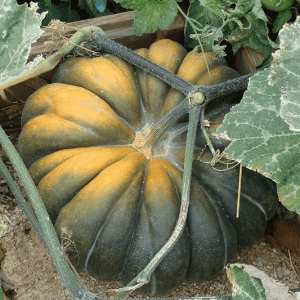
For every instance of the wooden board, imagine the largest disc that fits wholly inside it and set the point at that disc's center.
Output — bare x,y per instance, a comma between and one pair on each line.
118,27
246,60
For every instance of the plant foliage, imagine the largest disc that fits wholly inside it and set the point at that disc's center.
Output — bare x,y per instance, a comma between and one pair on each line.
264,127
149,16
245,287
16,37
239,22
71,11
250,283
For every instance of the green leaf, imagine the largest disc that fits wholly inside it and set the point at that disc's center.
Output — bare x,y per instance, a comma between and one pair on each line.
151,15
19,28
239,22
245,287
282,18
132,4
261,139
286,72
254,33
207,21
81,4
68,14
216,6
53,11
272,288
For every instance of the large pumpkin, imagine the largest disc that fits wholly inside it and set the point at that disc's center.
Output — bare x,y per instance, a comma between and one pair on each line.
82,140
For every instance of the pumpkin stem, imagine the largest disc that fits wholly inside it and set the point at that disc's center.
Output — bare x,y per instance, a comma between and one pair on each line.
146,140
164,124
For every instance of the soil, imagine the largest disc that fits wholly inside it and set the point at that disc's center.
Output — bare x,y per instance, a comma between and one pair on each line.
28,272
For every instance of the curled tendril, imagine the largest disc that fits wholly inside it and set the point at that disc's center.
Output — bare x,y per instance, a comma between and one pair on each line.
220,158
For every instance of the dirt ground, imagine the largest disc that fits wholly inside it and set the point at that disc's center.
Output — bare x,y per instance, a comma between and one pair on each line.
28,272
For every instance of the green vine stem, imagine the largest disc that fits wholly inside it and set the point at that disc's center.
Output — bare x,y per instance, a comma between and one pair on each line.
225,88
103,43
52,61
21,201
189,20
144,276
47,229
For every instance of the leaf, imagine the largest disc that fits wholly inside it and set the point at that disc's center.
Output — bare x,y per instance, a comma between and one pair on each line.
149,16
245,287
261,139
282,18
53,11
209,24
19,28
273,289
90,4
215,6
239,22
68,14
254,34
286,72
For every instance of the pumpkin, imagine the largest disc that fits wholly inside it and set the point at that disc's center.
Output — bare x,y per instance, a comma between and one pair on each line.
118,200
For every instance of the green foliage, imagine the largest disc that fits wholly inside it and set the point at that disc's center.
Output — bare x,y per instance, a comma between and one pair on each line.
65,13
286,73
239,22
260,126
19,28
282,18
245,287
149,16
53,11
68,14
277,5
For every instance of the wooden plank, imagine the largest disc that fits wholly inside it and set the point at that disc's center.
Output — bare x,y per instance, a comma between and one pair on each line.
118,27
246,60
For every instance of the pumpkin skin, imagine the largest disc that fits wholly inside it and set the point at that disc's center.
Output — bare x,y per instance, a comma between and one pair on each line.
120,203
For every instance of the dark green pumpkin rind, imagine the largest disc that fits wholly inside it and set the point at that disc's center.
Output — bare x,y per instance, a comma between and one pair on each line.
259,203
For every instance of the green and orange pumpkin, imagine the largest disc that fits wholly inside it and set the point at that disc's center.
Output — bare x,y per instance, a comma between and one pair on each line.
118,200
